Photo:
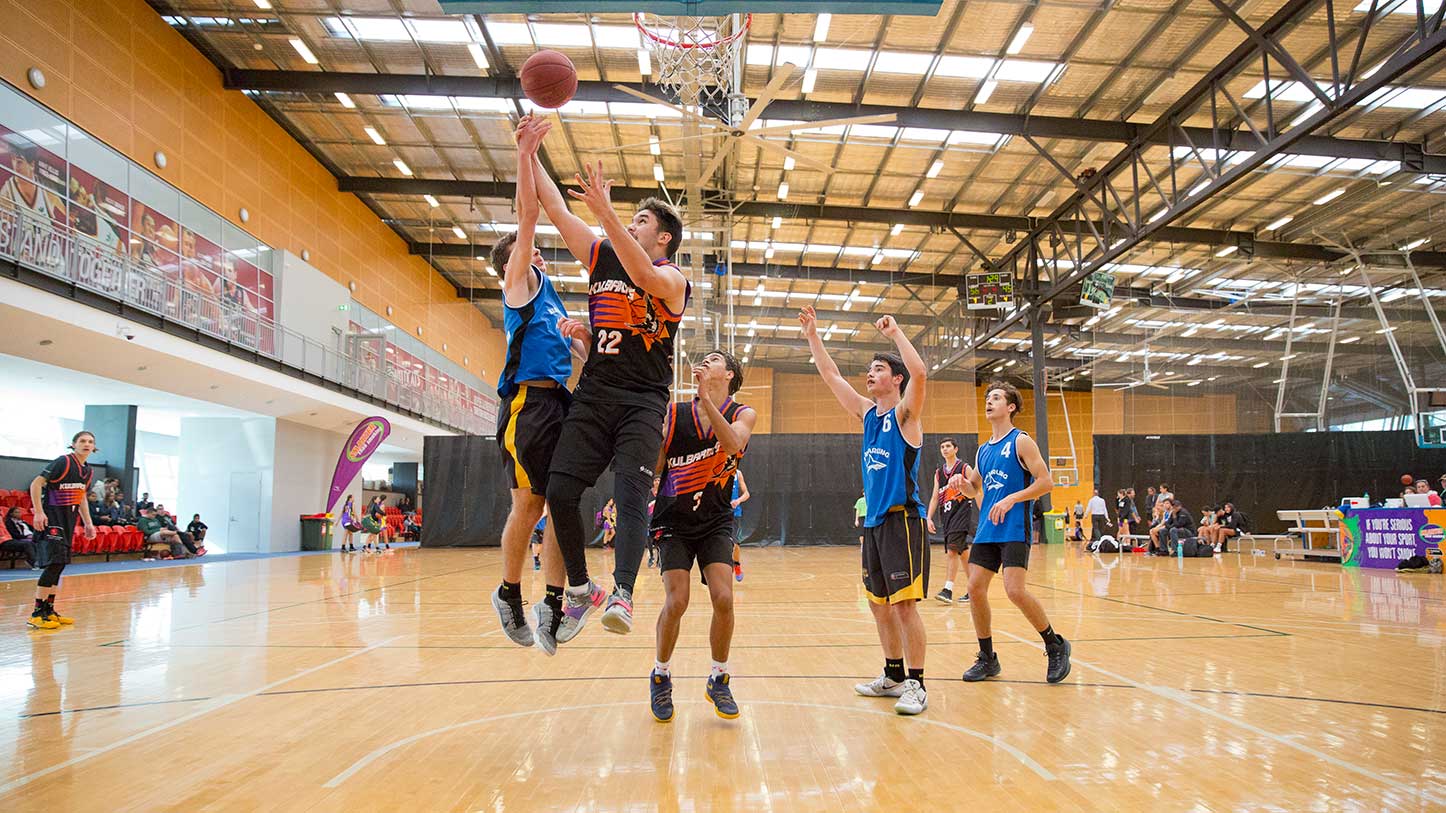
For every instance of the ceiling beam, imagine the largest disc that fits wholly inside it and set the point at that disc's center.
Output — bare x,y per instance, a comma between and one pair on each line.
805,110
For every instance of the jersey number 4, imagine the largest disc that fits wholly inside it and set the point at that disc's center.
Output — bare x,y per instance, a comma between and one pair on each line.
608,341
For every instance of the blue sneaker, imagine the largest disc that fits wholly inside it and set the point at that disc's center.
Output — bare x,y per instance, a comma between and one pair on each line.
722,697
660,687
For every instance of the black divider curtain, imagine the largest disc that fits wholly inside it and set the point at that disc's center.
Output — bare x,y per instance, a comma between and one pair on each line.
1263,474
803,489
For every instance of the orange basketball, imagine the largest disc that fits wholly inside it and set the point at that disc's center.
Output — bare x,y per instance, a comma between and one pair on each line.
549,79
1407,479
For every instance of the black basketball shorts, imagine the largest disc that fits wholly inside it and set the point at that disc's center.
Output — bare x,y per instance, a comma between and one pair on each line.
679,551
957,541
994,555
52,545
595,434
896,559
528,426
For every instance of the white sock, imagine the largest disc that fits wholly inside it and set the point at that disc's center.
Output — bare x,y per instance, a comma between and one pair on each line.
580,590
663,668
719,668
949,586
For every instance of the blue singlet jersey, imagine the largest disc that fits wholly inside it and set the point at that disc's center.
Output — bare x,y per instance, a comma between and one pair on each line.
891,468
1002,474
536,350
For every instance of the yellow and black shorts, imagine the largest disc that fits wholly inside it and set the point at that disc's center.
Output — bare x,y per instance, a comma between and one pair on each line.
529,423
896,559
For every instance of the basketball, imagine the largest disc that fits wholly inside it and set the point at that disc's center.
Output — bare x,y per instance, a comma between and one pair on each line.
549,79
1407,479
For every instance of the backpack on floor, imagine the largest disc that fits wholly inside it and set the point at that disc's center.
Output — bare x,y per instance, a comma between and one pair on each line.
1107,544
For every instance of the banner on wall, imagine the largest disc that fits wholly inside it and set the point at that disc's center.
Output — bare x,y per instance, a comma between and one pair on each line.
365,439
1382,537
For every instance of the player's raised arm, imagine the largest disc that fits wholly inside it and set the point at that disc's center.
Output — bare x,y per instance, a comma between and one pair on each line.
518,282
848,397
576,234
665,281
732,437
911,409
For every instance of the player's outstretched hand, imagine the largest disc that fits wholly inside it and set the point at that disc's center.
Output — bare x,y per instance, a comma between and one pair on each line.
596,190
573,329
530,134
887,326
808,317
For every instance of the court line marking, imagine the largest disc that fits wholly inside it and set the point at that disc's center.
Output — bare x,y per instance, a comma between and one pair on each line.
1178,696
220,702
1023,758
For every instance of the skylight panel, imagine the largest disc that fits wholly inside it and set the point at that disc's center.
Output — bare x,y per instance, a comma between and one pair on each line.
900,62
562,35
440,30
964,67
840,59
510,33
1023,70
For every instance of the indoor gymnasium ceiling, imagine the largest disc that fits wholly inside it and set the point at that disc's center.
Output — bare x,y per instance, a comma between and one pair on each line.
995,102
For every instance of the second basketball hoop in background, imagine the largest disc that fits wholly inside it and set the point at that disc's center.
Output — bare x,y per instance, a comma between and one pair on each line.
549,79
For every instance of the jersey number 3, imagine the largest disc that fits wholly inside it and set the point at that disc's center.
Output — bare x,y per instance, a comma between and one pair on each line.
608,341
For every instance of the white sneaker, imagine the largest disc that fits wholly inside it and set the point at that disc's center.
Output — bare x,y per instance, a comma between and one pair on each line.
913,700
881,686
618,617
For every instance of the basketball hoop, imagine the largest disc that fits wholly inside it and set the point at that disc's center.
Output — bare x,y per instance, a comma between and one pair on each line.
693,56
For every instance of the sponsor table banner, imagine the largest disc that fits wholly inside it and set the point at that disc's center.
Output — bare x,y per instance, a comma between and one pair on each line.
365,438
1382,537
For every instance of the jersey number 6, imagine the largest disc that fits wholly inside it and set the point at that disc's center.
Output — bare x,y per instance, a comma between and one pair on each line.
608,340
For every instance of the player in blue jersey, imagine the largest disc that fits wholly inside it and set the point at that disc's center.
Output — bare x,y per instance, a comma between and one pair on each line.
532,391
895,548
1008,475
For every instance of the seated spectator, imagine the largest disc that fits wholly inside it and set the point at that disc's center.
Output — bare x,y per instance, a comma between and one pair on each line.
22,536
98,513
197,529
97,493
405,505
189,541
1423,487
411,529
1159,527
145,501
1180,526
1076,534
1227,525
156,532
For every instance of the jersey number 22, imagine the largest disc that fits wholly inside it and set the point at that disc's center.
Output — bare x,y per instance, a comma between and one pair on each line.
608,341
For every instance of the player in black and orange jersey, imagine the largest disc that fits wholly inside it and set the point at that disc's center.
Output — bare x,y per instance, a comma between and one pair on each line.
636,298
58,497
703,441
956,516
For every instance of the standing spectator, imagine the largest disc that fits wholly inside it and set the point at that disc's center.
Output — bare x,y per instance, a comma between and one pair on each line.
197,529
1150,499
861,510
22,536
1098,520
378,513
1079,511
97,494
350,523
144,502
1423,487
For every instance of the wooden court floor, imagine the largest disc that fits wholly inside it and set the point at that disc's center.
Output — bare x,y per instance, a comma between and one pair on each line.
382,683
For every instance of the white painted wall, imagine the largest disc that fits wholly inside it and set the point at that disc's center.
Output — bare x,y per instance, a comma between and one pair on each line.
212,449
305,459
311,302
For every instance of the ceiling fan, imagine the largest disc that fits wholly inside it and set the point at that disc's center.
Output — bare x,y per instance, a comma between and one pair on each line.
738,135
1146,379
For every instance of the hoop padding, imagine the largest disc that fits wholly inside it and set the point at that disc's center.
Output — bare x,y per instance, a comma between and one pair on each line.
693,56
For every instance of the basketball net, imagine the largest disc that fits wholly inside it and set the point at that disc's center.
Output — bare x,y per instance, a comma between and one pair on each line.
694,57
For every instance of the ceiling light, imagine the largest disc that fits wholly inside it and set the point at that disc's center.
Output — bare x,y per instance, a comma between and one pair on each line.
1261,364
1350,339
1017,44
894,232
1385,330
305,52
935,169
820,28
915,198
768,253
1278,223
748,348
264,5
345,100
985,91
877,259
783,191
1288,357
658,172
375,136
431,201
788,163
1329,196
1227,251
402,167
810,77
1414,244
645,63
457,230
777,221
653,146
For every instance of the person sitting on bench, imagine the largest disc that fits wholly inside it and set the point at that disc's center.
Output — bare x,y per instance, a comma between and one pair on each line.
1159,527
1180,525
1226,527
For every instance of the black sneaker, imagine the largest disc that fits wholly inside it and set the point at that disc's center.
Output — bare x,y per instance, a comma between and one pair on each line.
722,697
984,667
1058,660
964,599
660,688
946,595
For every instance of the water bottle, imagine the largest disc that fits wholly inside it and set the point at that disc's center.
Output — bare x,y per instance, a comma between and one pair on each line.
1180,548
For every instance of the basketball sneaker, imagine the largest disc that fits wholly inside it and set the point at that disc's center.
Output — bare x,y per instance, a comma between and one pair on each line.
39,621
881,686
1058,653
946,595
545,619
964,599
660,691
576,609
722,697
52,615
514,620
914,699
984,667
618,617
